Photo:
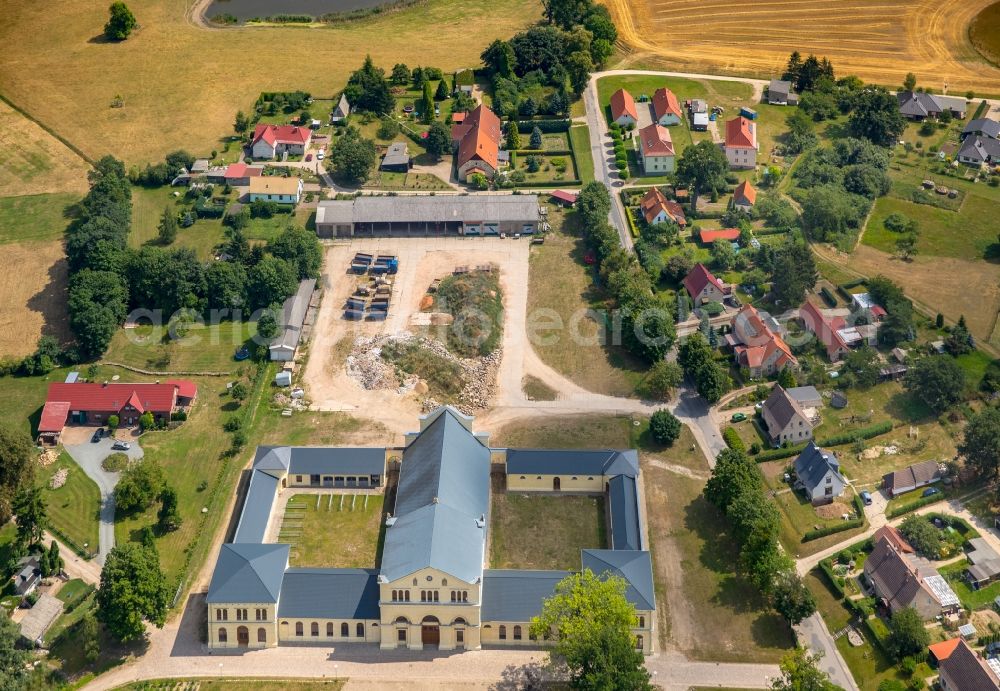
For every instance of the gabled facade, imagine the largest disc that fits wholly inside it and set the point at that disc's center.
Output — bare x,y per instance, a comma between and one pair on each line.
963,670
779,93
981,127
825,329
656,208
745,196
702,285
817,473
273,188
978,150
666,108
900,580
270,141
741,143
785,419
341,110
477,140
757,346
656,149
623,110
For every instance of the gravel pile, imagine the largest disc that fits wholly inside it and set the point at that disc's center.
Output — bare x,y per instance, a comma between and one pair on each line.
59,479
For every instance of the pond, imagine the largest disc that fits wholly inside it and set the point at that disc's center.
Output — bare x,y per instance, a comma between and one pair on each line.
243,10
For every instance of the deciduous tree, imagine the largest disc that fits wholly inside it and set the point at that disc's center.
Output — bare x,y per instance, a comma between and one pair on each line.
121,22
907,635
937,380
702,167
133,591
981,442
800,672
664,427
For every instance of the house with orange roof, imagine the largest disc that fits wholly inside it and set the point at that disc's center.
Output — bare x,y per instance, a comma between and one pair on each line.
704,287
666,107
757,344
741,143
477,139
656,208
623,110
964,670
656,150
270,141
826,329
745,196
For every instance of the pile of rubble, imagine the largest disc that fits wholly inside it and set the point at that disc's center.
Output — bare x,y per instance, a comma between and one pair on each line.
366,365
59,479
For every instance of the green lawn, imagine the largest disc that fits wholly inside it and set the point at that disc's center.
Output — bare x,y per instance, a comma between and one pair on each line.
35,218
969,234
334,530
73,589
542,532
73,508
406,181
550,168
582,432
204,348
640,84
580,138
971,599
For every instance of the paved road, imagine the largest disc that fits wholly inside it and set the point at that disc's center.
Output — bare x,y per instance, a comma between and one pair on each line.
602,149
89,457
812,632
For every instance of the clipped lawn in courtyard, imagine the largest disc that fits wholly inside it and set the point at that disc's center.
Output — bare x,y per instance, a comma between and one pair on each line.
334,530
580,432
530,531
73,508
204,348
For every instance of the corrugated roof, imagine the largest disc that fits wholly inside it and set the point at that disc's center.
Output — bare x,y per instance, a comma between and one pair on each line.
248,573
572,462
293,314
517,595
634,566
309,460
493,208
623,508
443,491
256,508
330,594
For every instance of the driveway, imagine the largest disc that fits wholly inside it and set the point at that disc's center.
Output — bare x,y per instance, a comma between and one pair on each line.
813,634
89,457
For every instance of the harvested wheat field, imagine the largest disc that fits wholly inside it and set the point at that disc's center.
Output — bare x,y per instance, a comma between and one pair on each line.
878,41
32,161
182,83
32,296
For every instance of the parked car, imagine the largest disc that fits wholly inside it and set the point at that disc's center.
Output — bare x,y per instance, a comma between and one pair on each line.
309,157
121,446
738,417
321,155
98,435
931,491
866,497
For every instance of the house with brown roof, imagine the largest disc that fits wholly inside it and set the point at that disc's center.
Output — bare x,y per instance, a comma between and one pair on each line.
757,345
477,139
826,329
744,196
784,419
704,287
623,110
911,478
741,143
891,534
270,141
666,107
656,208
656,150
964,670
902,579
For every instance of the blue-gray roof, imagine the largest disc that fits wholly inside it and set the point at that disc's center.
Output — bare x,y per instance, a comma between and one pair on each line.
989,128
515,595
310,460
443,492
634,566
572,462
813,464
624,511
330,594
248,573
256,507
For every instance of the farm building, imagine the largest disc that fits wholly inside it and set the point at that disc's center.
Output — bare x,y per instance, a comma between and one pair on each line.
239,174
293,321
741,143
656,208
270,141
698,110
623,110
666,108
912,478
396,159
432,589
370,216
564,198
984,563
477,143
277,189
704,287
780,93
82,403
656,149
709,235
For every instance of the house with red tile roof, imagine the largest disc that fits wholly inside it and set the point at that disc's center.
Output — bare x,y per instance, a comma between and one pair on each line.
757,345
656,150
709,235
92,403
271,141
623,110
826,329
741,143
477,139
704,287
656,208
745,196
666,107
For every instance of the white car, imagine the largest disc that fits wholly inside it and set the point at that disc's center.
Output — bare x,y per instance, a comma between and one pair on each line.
321,155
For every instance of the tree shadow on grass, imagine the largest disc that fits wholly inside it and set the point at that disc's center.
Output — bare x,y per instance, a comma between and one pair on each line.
908,408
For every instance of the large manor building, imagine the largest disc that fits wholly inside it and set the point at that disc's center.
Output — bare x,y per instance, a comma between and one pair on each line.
432,588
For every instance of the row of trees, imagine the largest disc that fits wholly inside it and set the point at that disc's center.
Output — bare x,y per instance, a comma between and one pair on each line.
696,357
736,489
647,324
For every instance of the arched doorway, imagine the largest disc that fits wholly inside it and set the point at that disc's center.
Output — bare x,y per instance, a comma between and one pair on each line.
242,636
556,485
430,631
402,625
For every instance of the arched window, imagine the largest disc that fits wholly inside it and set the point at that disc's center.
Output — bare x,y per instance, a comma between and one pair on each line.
642,622
414,581
407,596
329,629
298,628
393,595
359,630
638,642
262,635
444,581
465,596
437,596
454,596
345,630
223,636
517,632
503,632
314,628
423,596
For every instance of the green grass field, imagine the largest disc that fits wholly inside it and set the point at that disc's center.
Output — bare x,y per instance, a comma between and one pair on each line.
550,168
73,508
542,532
334,530
580,138
584,432
34,218
204,348
969,234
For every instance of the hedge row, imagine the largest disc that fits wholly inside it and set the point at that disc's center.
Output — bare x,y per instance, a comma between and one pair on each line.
778,454
828,297
733,440
913,505
983,105
546,126
832,529
550,184
836,440
827,568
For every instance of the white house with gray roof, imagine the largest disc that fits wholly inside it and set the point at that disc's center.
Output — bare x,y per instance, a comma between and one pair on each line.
817,473
919,105
432,588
